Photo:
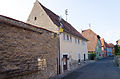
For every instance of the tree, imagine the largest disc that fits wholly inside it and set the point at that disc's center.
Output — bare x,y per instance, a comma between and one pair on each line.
116,49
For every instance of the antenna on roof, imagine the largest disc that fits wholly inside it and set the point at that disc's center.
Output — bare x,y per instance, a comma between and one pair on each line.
81,31
60,21
66,13
60,18
89,26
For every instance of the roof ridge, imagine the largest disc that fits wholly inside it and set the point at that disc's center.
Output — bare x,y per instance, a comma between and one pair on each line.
90,30
66,26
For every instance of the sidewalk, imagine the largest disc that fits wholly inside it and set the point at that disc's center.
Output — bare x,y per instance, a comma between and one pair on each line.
60,76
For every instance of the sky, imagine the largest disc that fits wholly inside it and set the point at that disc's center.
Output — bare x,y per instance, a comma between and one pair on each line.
102,15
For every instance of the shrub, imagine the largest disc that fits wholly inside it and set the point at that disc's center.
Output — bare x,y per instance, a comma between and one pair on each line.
118,53
92,56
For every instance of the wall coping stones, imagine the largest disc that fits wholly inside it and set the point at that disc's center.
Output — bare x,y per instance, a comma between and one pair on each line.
17,23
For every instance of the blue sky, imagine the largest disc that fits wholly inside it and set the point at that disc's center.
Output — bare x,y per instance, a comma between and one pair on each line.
103,15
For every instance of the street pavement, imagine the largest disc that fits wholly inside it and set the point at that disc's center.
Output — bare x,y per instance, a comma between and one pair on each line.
101,69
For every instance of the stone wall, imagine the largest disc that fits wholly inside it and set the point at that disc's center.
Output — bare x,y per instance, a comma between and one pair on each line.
26,51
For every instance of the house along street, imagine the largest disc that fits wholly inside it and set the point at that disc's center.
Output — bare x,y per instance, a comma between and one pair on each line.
102,69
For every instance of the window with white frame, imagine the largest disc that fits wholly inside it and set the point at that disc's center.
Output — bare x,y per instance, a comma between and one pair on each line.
78,41
67,37
83,42
75,40
63,36
70,38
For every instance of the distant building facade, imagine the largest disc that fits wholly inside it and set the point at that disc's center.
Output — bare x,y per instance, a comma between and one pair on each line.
94,43
110,49
103,47
26,51
73,46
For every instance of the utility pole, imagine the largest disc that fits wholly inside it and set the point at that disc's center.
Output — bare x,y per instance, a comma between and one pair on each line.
58,34
66,13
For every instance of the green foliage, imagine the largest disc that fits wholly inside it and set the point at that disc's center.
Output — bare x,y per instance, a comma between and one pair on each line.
118,53
116,49
92,56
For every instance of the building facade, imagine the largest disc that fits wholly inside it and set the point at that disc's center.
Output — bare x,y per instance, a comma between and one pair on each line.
94,43
98,51
73,46
26,51
110,49
103,47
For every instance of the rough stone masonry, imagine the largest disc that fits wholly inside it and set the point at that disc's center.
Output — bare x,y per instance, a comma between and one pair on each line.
26,51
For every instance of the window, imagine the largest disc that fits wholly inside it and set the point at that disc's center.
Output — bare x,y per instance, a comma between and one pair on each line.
75,40
97,47
78,41
67,37
78,58
70,38
84,57
83,42
63,36
35,18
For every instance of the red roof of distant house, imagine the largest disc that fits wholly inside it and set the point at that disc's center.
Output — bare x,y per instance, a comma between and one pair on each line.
110,45
92,37
66,26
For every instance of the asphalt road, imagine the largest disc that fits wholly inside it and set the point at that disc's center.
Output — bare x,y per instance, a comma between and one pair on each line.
101,69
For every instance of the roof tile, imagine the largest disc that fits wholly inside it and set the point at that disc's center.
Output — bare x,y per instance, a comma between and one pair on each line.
66,26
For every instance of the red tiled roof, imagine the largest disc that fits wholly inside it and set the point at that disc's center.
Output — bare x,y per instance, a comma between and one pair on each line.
111,45
106,44
66,26
92,37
